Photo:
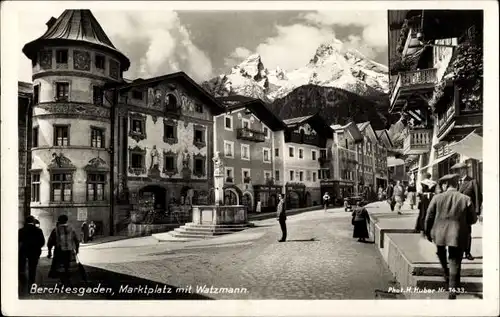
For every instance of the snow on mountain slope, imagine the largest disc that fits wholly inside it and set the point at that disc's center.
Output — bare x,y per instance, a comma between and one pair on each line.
331,66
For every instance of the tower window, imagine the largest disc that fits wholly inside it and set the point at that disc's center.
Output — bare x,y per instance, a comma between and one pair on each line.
95,186
62,56
62,91
61,135
36,94
100,61
34,136
97,138
35,187
97,95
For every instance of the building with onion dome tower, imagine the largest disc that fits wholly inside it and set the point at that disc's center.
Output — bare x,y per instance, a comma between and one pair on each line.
71,121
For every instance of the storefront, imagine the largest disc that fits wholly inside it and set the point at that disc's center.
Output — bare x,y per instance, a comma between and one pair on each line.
295,195
268,196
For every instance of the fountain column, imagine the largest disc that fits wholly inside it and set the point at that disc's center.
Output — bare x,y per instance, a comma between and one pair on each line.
218,179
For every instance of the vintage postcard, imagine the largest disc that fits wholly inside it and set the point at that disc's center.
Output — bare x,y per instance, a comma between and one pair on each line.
250,158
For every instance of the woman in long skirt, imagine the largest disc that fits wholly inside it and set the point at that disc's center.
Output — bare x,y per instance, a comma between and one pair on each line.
360,219
428,190
412,194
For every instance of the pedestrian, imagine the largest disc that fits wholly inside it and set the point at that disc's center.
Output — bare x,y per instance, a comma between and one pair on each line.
380,193
428,190
360,218
31,241
389,195
259,206
92,228
412,194
468,186
281,216
85,231
326,200
399,197
449,218
65,242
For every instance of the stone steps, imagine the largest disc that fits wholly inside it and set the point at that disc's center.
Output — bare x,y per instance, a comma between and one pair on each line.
193,232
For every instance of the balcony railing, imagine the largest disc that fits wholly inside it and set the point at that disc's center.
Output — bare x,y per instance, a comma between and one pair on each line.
418,141
304,138
414,80
251,135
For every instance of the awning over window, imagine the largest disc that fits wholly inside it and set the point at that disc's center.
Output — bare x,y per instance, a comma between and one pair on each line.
439,160
470,146
392,161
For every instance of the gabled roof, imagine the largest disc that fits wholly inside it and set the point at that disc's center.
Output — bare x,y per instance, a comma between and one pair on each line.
362,126
261,111
316,121
80,27
201,93
24,89
384,134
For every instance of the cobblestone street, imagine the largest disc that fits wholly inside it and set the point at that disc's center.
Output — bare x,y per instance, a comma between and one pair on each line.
320,260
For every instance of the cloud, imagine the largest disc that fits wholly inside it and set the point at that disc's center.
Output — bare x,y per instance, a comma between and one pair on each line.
374,24
291,48
155,42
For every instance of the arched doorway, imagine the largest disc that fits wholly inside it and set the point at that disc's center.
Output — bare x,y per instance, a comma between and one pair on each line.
230,197
293,200
159,195
247,201
308,200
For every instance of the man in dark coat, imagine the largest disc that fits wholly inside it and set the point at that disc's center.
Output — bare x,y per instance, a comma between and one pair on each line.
281,216
449,218
389,193
31,241
468,186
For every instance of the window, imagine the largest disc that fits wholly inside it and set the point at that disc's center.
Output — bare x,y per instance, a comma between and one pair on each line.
314,176
35,187
169,163
313,155
137,160
169,131
95,186
137,94
292,173
266,155
171,104
36,94
301,153
97,94
245,123
229,174
228,149
34,137
228,123
301,176
199,108
277,175
322,153
266,131
97,137
277,152
61,135
267,175
245,152
62,91
62,187
291,151
245,174
199,136
62,56
137,126
199,166
100,62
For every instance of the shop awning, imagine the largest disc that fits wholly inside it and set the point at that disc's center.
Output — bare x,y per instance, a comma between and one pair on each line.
392,161
470,146
439,160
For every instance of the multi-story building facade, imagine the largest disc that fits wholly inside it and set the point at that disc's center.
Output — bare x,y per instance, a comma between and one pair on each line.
164,140
307,159
250,140
71,125
437,85
24,99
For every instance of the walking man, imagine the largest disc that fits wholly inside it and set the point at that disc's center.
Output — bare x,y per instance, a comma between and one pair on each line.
468,186
399,196
281,215
31,241
449,218
326,200
389,195
65,242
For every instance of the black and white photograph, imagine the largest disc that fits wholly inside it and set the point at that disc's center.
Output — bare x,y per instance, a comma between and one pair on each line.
209,153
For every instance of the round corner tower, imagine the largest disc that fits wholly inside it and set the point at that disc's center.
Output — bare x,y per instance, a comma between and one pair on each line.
70,168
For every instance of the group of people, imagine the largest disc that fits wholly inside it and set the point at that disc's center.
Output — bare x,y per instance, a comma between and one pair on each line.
63,240
395,195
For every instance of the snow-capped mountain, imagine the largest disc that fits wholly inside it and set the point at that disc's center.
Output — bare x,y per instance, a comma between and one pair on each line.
331,66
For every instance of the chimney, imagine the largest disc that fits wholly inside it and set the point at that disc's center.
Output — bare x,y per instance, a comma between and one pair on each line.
51,22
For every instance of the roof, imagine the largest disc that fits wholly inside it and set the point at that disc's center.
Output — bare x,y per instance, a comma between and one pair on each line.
362,126
351,128
261,111
234,99
316,121
297,120
201,93
78,26
24,88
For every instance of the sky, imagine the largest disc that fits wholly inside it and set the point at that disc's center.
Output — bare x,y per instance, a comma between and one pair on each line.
205,44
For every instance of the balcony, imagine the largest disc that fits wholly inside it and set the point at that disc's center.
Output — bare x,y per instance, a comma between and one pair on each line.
251,135
418,141
324,160
304,139
408,83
